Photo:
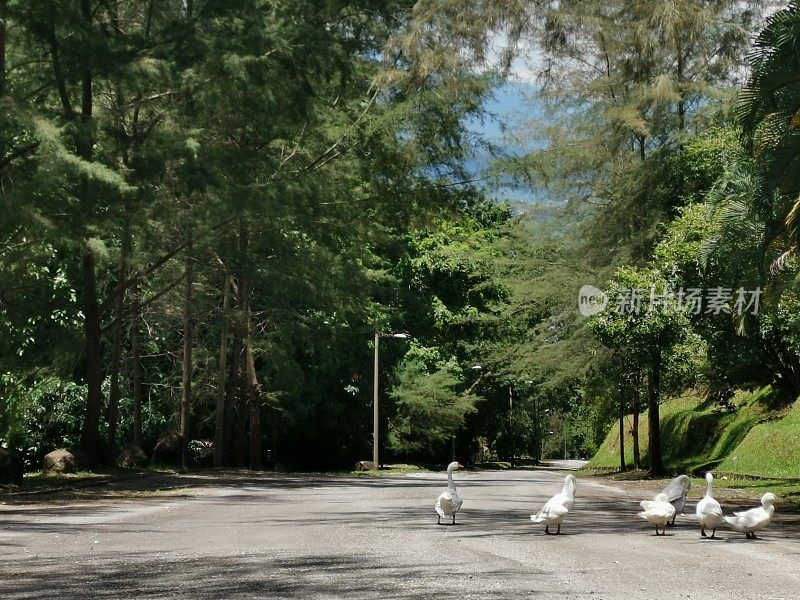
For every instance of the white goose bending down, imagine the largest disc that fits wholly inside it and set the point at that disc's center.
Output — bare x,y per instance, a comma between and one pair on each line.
555,510
708,510
448,503
658,511
755,519
676,492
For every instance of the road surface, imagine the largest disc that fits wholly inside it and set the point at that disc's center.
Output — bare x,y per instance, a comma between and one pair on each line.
340,537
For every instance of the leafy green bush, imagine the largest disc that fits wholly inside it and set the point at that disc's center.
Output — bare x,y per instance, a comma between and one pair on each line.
39,416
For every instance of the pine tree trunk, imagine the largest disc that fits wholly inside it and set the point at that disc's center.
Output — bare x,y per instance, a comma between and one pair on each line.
3,87
117,335
114,391
254,401
136,367
621,429
219,429
242,323
654,421
94,366
55,59
188,334
3,4
251,387
242,412
90,435
86,77
231,404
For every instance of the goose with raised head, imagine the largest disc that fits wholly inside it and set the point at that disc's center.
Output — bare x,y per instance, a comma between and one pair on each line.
677,491
556,509
658,511
449,503
754,520
708,510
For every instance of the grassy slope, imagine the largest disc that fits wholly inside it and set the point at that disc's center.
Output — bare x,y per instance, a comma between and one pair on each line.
770,449
696,436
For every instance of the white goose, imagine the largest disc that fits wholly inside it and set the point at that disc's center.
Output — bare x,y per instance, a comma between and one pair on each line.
676,492
755,519
555,510
658,511
708,510
448,503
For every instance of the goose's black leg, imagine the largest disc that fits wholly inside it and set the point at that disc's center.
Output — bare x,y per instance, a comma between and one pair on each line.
703,531
454,518
559,529
713,533
439,520
547,529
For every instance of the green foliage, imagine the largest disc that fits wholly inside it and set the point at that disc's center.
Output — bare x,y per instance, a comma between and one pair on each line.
39,415
431,403
705,158
314,154
768,112
637,321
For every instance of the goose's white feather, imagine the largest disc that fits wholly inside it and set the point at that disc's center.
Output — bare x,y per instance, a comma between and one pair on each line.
708,510
657,511
556,509
755,519
449,502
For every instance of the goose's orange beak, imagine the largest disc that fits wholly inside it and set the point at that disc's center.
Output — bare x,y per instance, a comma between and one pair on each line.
460,466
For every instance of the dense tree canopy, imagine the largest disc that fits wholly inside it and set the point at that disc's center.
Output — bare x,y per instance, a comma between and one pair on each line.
210,208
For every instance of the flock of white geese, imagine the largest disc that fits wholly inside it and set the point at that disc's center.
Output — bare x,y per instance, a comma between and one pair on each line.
660,511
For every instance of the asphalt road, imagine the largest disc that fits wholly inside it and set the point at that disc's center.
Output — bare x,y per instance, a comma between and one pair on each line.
336,537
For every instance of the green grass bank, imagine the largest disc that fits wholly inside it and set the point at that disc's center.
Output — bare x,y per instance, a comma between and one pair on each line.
752,438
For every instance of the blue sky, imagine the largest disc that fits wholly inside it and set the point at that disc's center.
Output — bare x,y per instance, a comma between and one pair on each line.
510,107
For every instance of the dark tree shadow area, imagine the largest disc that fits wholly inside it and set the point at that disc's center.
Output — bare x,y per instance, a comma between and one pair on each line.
149,483
256,576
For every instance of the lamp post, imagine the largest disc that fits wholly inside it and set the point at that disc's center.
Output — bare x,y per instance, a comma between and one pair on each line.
375,416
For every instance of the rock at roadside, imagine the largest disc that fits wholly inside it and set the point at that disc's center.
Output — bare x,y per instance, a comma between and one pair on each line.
168,448
365,465
132,457
58,462
11,467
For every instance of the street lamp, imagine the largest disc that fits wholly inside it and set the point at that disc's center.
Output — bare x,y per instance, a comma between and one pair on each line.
375,418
